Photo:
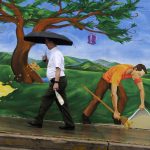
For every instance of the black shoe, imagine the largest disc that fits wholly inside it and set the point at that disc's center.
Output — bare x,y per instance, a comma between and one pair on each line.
35,124
85,119
67,127
116,121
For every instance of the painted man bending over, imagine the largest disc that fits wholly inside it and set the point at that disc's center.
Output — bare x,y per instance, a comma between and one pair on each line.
112,80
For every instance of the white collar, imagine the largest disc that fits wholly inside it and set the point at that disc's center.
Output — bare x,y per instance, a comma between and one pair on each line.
54,49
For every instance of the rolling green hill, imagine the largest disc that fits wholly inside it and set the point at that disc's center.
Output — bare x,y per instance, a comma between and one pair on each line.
68,62
88,66
6,73
25,101
78,64
31,60
71,61
105,63
42,64
5,58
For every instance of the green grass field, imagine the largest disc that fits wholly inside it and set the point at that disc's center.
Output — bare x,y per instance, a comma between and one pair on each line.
25,101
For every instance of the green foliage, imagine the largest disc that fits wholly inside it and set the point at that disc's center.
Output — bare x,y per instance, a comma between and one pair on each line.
32,14
133,25
110,26
6,74
72,7
110,14
5,58
90,25
7,10
88,66
15,1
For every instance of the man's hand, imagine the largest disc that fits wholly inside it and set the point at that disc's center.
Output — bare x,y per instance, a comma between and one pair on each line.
116,115
142,95
142,106
55,86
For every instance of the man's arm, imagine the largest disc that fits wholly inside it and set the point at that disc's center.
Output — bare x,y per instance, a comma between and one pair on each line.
115,100
57,76
142,95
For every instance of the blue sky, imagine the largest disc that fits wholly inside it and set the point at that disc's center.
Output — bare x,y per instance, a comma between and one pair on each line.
134,52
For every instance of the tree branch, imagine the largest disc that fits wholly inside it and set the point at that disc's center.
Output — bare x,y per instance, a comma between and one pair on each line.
8,19
91,14
110,4
60,13
19,21
43,23
75,21
57,27
90,30
60,5
16,11
81,10
82,26
3,12
31,20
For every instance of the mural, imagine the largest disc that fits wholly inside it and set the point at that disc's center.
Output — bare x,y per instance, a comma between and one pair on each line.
104,32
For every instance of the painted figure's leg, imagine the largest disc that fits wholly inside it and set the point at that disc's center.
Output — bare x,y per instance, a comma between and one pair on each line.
122,98
121,102
100,91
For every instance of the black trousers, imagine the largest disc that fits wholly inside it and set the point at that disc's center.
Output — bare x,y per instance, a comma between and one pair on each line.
50,97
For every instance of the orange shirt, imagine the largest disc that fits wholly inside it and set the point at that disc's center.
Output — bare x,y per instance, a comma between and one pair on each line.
117,73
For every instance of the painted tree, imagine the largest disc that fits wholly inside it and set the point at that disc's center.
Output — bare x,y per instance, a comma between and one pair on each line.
99,16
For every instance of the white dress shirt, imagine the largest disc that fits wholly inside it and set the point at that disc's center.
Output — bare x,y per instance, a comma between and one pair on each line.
56,59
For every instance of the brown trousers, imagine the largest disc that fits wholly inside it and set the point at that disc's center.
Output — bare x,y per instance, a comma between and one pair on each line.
101,89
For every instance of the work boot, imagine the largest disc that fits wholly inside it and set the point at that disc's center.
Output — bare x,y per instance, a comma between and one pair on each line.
65,127
35,123
85,119
116,121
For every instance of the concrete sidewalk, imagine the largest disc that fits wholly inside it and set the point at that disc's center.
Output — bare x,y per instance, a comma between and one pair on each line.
15,134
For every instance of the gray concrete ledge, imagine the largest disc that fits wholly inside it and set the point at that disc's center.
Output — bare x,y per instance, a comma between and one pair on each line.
15,134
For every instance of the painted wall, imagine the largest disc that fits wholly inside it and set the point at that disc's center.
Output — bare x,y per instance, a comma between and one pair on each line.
85,62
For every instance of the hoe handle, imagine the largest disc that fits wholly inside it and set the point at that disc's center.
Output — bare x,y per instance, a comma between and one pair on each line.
89,91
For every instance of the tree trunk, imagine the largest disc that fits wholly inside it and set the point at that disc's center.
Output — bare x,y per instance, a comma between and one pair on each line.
19,63
22,71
